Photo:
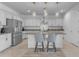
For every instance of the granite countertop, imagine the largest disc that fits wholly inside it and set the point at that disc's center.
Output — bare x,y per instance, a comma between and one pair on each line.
34,32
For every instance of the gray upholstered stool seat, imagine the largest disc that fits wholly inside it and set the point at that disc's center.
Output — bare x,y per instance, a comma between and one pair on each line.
39,39
51,39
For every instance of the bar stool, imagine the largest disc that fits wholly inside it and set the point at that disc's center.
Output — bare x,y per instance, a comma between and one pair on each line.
39,39
51,39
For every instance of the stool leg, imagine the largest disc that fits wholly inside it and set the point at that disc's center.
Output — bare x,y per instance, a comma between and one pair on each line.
54,47
47,46
36,46
42,46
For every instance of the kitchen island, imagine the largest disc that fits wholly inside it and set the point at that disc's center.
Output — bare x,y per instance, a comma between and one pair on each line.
59,39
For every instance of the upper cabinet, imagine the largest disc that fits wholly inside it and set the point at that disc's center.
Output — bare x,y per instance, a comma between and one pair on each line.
6,15
2,18
9,16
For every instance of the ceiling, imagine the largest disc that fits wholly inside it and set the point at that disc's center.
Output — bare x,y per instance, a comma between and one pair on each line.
38,7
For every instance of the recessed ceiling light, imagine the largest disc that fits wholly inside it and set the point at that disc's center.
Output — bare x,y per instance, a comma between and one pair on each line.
57,14
28,10
62,11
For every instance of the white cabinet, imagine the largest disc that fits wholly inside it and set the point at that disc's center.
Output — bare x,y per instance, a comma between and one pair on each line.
5,41
31,41
24,35
59,40
2,18
2,42
8,40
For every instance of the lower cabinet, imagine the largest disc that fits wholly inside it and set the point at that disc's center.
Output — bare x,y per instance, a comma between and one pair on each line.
24,35
5,41
59,41
2,42
8,40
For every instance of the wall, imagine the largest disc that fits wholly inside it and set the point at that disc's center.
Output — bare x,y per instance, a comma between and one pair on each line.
71,25
6,8
9,13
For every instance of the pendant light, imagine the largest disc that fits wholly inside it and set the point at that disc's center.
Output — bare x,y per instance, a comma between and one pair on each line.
57,13
62,10
34,13
45,12
45,2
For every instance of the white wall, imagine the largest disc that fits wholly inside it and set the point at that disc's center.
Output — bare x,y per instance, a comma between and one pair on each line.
35,21
9,13
71,25
6,8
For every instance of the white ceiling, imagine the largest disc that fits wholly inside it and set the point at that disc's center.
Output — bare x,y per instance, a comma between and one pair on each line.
51,7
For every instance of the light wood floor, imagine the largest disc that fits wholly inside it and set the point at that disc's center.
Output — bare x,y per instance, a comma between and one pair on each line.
22,50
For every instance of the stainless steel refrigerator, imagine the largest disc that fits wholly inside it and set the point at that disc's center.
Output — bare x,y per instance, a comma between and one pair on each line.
14,26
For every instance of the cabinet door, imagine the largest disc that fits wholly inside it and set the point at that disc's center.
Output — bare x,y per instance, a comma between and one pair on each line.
8,40
5,41
20,25
59,41
24,36
2,18
2,44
